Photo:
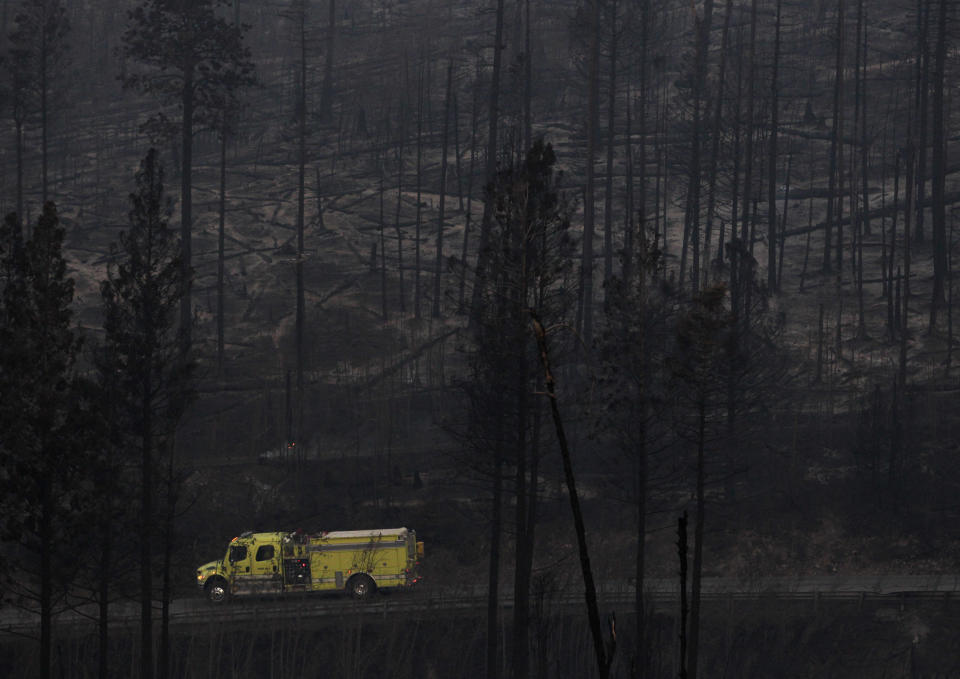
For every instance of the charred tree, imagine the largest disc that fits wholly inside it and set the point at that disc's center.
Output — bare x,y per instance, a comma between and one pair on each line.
490,171
585,302
772,159
143,346
835,132
438,273
190,58
938,170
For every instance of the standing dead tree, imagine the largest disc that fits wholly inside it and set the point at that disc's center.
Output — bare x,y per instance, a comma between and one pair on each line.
604,650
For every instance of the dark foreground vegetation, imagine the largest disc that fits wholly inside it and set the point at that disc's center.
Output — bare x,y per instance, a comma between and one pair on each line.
758,638
583,291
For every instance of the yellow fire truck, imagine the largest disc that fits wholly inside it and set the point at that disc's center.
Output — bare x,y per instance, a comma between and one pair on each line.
358,562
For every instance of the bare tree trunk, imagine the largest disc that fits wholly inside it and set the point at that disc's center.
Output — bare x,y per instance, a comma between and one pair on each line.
641,663
524,546
527,81
611,138
396,222
682,555
840,196
751,131
949,300
456,148
416,255
628,240
585,303
18,238
326,98
864,142
772,162
186,211
493,581
642,119
691,228
166,591
642,134
735,179
923,109
438,274
819,376
385,307
663,176
531,491
301,197
468,217
103,593
693,649
884,248
858,211
491,169
43,103
908,208
783,221
46,568
146,539
715,144
893,309
221,224
938,171
593,613
834,141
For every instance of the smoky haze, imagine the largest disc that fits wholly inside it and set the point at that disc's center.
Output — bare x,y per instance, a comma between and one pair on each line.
639,313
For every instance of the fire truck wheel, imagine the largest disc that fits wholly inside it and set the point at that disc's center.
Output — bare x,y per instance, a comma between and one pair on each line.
217,592
361,586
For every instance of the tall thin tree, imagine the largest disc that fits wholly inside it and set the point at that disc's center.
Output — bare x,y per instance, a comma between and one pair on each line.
144,347
585,290
438,273
40,40
192,59
38,350
490,170
938,169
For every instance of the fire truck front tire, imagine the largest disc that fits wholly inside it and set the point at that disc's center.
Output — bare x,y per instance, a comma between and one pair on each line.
361,586
217,592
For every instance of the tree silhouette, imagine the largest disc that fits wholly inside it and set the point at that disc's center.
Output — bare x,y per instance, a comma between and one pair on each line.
195,62
530,261
38,47
38,349
143,348
699,368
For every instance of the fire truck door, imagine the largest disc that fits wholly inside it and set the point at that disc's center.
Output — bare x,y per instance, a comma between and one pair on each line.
240,565
265,569
266,563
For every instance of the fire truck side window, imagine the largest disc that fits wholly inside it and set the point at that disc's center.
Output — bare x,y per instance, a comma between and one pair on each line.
238,553
265,553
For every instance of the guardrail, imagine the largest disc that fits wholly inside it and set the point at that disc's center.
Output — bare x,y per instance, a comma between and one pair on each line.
197,611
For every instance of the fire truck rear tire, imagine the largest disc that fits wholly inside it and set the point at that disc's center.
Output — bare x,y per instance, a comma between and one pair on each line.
361,586
217,592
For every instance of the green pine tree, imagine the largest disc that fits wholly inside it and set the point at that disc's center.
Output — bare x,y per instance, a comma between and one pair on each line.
38,350
142,355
